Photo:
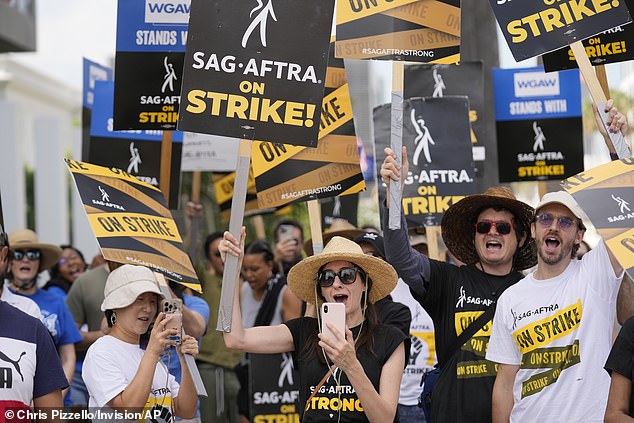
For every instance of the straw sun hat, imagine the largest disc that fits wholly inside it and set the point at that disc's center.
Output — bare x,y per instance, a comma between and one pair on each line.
26,239
302,277
458,225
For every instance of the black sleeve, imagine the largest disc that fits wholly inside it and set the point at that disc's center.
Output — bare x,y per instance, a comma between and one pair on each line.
395,314
620,359
412,266
392,338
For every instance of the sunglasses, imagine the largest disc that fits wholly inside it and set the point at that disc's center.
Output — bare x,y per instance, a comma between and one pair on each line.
547,219
32,255
347,275
503,228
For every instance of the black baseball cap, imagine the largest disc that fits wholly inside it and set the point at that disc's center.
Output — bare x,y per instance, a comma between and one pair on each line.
373,239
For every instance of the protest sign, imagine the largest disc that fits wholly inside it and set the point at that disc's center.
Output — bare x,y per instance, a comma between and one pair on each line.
151,37
606,194
138,152
223,187
611,46
92,72
467,79
436,133
425,31
273,388
532,28
539,125
286,173
131,221
203,152
256,70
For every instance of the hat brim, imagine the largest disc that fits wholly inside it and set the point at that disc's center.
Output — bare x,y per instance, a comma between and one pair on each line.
49,253
127,294
350,234
302,277
458,231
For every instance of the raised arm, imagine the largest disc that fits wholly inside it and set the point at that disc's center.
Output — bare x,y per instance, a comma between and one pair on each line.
615,122
412,266
259,339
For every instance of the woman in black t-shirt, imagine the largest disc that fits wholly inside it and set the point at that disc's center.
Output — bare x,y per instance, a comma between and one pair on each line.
355,378
620,365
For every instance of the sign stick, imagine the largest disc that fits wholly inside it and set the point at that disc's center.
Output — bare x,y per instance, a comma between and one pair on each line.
542,188
314,216
166,161
189,360
603,79
433,232
258,223
195,226
396,143
230,275
618,144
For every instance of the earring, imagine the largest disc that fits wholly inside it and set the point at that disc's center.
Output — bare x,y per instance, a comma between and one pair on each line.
113,318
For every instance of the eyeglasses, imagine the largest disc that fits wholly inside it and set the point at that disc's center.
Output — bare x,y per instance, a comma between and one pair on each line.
65,260
503,228
32,255
347,275
547,219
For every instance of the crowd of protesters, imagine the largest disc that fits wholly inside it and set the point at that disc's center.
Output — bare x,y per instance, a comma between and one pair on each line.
518,323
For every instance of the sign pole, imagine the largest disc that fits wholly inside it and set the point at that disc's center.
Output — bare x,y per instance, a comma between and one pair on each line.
230,275
314,216
166,161
618,145
433,233
603,79
195,224
258,223
396,143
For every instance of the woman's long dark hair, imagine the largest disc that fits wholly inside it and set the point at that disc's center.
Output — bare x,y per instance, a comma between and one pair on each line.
366,338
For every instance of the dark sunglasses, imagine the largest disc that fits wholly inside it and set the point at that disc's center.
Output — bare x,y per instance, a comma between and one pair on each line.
347,275
547,219
32,255
503,228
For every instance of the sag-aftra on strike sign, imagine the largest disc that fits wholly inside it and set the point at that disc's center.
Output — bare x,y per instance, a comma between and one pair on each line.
256,69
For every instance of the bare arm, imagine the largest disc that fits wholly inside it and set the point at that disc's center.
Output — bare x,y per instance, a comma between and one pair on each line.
193,323
625,300
260,339
67,357
50,400
291,305
186,403
503,392
618,408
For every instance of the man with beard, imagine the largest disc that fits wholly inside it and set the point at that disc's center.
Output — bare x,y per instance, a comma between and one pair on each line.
552,331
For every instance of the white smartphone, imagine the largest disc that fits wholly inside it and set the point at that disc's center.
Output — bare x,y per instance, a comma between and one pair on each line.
334,313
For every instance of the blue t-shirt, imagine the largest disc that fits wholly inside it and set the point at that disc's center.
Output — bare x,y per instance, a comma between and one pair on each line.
29,364
56,317
57,291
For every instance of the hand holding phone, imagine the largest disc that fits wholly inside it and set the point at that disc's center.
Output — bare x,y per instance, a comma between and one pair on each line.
334,313
174,308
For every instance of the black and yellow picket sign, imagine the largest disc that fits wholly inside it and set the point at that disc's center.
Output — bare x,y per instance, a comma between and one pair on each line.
131,221
223,188
285,173
611,46
273,389
426,31
536,27
606,195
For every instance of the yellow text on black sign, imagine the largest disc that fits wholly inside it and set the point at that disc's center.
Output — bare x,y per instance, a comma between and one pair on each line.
133,225
558,15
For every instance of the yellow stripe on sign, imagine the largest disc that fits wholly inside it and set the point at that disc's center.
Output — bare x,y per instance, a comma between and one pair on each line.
542,332
332,149
463,319
224,187
336,110
107,225
358,187
430,13
449,60
91,169
267,155
598,174
335,77
428,338
352,10
622,247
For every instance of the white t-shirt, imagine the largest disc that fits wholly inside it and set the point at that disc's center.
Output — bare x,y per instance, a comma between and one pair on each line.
21,302
110,366
423,352
559,331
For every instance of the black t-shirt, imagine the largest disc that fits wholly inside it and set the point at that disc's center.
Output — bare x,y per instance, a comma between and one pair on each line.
325,405
455,297
621,358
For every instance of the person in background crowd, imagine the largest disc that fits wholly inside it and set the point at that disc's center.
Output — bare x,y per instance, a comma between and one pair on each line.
289,237
363,369
583,248
565,305
489,233
264,300
339,227
215,361
121,375
63,273
31,371
620,366
29,258
419,345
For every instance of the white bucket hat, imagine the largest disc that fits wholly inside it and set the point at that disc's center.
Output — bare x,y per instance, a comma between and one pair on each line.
125,284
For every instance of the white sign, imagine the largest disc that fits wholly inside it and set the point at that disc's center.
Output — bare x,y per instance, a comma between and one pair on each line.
209,153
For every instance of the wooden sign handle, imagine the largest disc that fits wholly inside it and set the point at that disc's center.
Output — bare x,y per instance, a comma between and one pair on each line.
314,217
166,164
433,235
396,143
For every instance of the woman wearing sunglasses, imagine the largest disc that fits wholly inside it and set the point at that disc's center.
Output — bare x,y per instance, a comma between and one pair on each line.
28,258
351,378
69,267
